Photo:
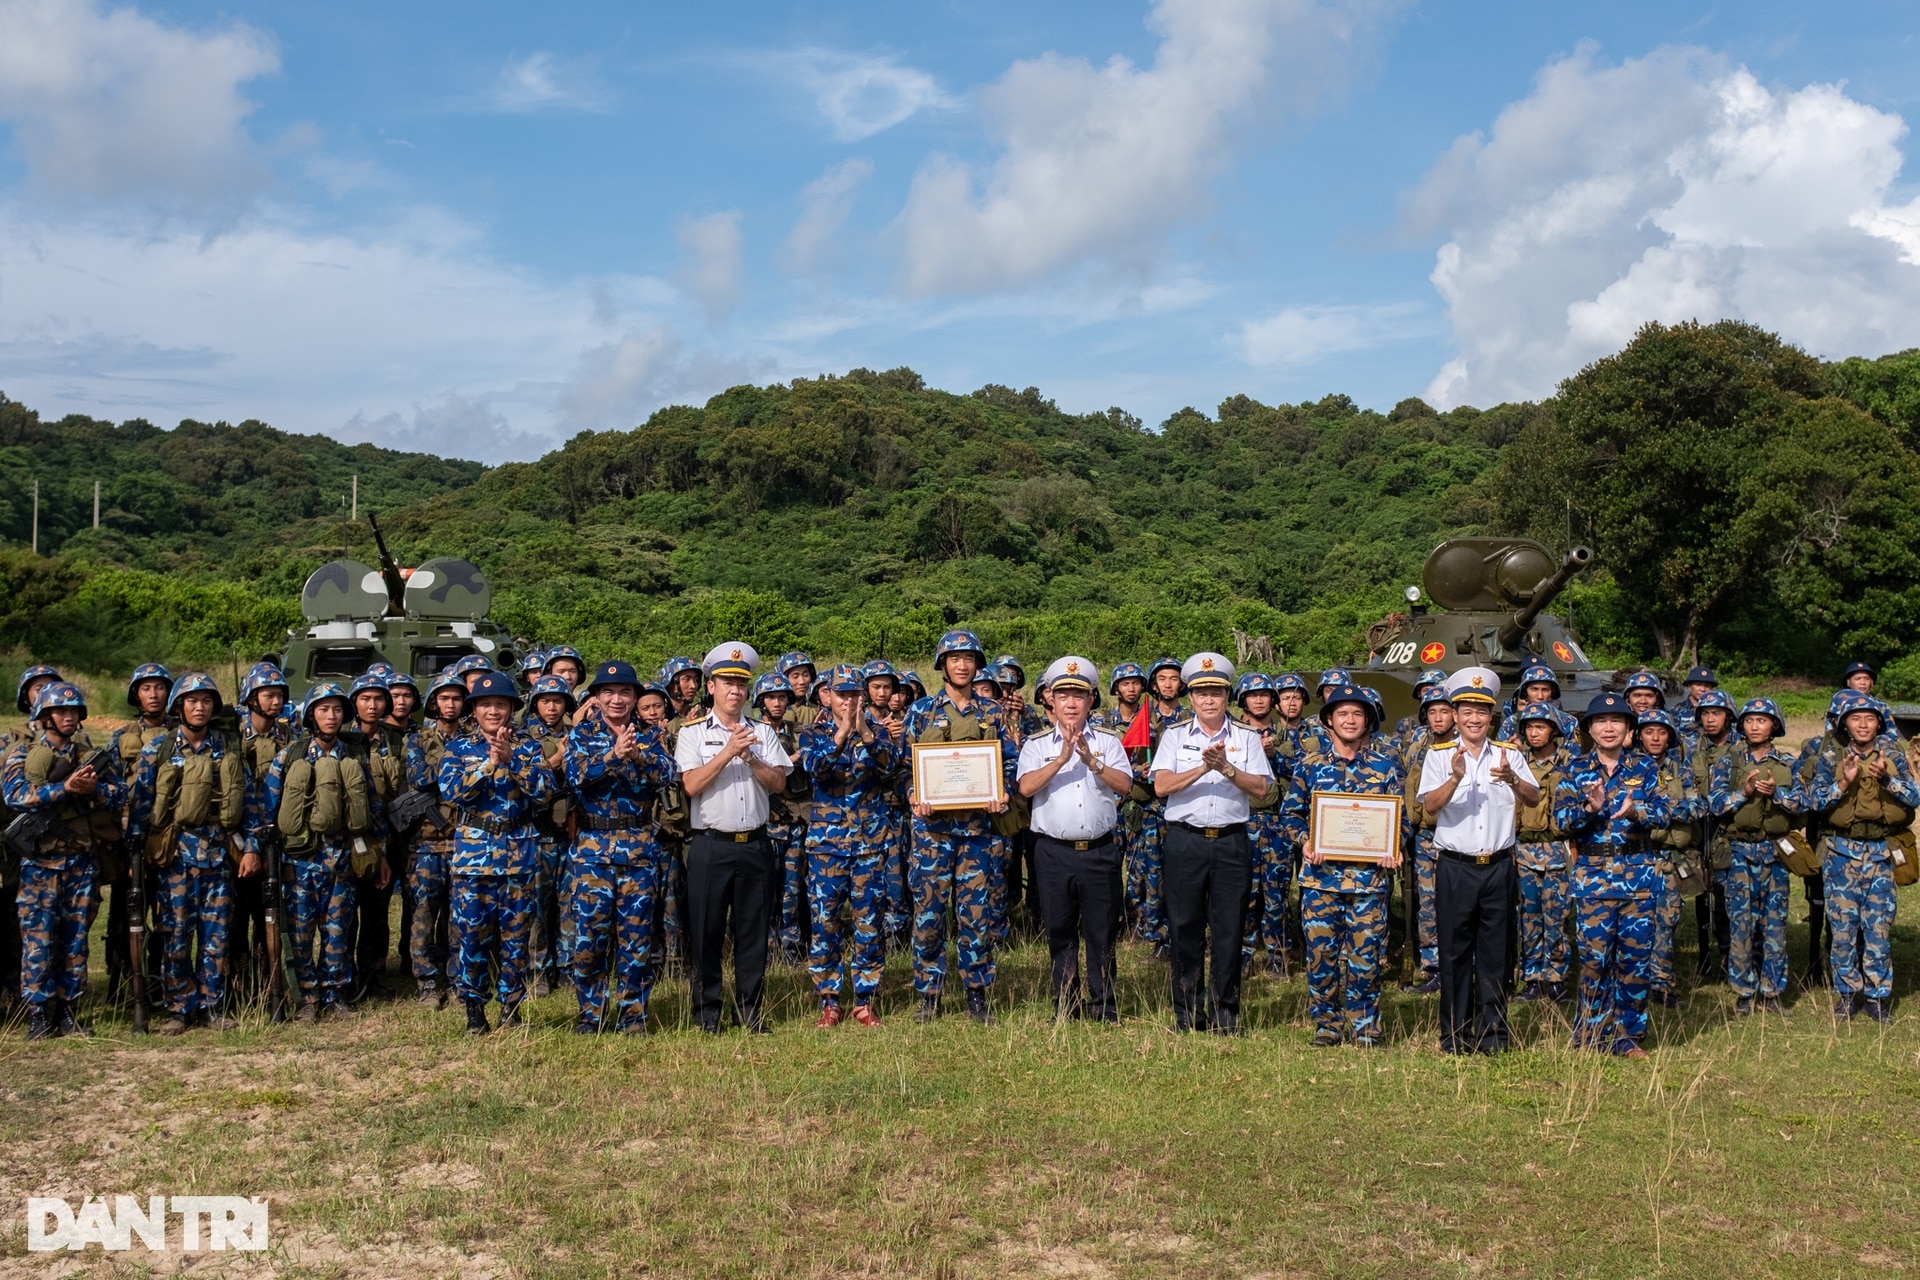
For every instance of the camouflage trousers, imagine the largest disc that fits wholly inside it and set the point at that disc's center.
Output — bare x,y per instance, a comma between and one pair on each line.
1146,887
895,853
1546,955
1272,877
670,899
319,907
197,904
1426,874
1616,959
1860,907
493,916
998,919
611,908
846,885
428,943
1757,886
550,940
54,903
1346,936
1666,919
952,870
790,850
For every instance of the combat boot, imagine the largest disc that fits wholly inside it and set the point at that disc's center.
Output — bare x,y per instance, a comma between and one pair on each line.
512,1018
173,1026
477,1018
39,1026
1816,925
1878,1010
929,1008
66,1024
429,993
977,1006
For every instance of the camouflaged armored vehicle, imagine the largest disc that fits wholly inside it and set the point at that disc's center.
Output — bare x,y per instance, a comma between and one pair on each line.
420,621
1492,595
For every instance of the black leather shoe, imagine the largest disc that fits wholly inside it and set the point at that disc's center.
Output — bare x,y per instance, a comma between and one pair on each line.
66,1024
477,1018
39,1025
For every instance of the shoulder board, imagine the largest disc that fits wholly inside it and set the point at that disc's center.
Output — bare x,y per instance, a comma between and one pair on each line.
1502,742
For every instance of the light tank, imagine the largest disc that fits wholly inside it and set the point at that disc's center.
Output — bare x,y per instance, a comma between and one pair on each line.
420,621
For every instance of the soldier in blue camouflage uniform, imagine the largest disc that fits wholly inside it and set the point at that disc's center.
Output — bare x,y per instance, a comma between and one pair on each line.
1609,801
1435,729
1541,863
316,866
1713,736
680,677
1538,684
563,662
1866,793
547,720
429,878
469,669
207,817
1023,719
1343,905
57,878
147,690
852,763
1127,684
884,682
1406,726
32,680
1314,737
1673,843
370,731
769,699
1146,887
1272,856
616,767
1700,682
953,849
1757,797
264,727
496,780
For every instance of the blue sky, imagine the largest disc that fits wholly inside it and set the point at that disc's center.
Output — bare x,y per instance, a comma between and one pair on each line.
480,228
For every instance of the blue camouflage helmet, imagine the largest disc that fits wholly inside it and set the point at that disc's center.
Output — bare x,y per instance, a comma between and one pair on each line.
402,678
646,687
1765,707
990,675
1251,682
1647,680
1335,677
27,677
879,668
144,672
1714,698
789,661
673,667
446,680
1538,673
1341,694
1431,676
1016,674
1432,694
1125,671
1290,681
960,641
59,694
472,662
554,686
382,669
320,693
1541,712
1609,704
494,685
532,664
913,681
1848,701
558,652
1659,716
262,675
765,683
369,681
1163,664
846,678
194,682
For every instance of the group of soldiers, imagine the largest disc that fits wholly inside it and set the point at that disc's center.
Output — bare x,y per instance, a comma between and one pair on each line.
568,825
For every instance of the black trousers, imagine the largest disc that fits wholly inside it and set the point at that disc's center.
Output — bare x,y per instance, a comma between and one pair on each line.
1206,882
1473,907
737,879
1078,895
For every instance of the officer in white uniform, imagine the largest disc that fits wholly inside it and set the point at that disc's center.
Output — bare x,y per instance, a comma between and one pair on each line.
730,766
1473,785
1210,771
1075,777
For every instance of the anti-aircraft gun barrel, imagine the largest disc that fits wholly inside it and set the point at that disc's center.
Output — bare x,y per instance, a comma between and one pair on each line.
389,572
1515,629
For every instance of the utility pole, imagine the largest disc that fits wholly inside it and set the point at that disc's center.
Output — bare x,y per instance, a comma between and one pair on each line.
36,517
96,504
356,499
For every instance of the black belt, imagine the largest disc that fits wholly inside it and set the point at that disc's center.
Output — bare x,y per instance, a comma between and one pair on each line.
733,837
1478,859
592,823
1079,846
1211,833
486,822
1614,850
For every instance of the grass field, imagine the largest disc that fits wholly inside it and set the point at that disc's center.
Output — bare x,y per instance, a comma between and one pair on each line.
394,1145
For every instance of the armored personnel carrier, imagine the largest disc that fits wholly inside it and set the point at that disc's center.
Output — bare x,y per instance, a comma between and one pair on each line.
1492,595
418,620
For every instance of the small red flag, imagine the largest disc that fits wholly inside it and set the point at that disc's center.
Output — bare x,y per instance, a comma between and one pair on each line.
1139,733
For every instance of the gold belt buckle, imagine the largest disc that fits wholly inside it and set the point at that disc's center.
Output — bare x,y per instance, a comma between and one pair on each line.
1482,859
1211,833
1081,846
741,837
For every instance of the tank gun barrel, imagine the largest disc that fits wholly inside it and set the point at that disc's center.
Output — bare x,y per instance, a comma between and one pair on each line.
389,572
1515,629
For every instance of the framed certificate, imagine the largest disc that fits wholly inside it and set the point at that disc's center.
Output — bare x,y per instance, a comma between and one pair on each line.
958,775
1352,828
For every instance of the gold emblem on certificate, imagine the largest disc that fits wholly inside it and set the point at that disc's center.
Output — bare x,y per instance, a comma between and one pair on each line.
958,775
1353,828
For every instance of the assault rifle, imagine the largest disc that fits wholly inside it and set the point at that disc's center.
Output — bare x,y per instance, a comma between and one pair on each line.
270,916
25,832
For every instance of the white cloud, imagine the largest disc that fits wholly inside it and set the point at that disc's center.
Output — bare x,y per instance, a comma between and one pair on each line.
455,426
1298,336
1670,187
826,203
712,269
110,105
860,95
618,383
544,81
1099,163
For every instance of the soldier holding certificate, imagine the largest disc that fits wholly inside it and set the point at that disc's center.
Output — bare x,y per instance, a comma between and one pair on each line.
1471,786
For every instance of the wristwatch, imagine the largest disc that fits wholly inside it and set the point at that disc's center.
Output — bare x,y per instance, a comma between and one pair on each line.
1232,773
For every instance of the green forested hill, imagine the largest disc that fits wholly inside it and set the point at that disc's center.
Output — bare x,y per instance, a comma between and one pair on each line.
856,513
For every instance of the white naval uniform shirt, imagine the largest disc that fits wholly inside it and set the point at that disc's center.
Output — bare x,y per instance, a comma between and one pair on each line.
1210,800
1480,817
735,801
1075,804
